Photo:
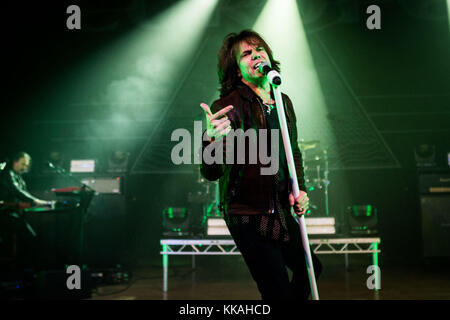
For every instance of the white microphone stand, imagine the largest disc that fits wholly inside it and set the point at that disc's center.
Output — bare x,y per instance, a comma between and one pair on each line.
293,175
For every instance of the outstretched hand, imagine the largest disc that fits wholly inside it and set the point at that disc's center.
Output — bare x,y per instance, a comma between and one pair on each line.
217,125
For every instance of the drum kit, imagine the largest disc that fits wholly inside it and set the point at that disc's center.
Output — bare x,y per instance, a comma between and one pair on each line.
315,165
208,195
203,201
316,174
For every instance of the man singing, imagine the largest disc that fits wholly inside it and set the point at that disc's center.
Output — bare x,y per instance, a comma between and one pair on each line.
257,207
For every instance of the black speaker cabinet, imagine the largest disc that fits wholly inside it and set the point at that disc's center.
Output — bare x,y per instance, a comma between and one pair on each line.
435,212
106,231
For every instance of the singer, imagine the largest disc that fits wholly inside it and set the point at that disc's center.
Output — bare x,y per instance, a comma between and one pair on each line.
257,207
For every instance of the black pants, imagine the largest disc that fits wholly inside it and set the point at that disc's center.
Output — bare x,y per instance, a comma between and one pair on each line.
267,260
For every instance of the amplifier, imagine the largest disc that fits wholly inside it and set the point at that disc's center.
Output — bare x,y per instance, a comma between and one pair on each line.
435,216
436,183
104,185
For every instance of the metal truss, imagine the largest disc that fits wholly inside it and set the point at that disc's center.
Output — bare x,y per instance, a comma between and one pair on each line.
199,247
228,247
344,246
194,247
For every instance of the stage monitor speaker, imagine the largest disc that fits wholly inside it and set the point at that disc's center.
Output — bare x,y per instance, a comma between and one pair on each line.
435,212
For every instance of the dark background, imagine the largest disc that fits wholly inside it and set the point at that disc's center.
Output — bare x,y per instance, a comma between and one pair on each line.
396,77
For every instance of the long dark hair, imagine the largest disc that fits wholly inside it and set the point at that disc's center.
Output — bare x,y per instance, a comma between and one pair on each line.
227,67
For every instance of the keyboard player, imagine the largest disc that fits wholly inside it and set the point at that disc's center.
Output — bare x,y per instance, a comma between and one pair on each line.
12,185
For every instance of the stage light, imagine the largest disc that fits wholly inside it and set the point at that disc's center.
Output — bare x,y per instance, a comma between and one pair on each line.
363,219
425,155
151,61
118,161
448,13
134,77
176,222
281,26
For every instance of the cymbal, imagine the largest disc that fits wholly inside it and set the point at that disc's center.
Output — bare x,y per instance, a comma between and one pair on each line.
305,145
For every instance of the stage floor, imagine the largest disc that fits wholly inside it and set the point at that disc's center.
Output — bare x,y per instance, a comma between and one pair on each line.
227,278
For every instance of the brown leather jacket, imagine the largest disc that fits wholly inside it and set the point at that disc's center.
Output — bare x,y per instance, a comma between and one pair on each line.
243,183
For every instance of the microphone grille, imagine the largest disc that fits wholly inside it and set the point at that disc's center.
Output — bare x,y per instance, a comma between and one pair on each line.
263,65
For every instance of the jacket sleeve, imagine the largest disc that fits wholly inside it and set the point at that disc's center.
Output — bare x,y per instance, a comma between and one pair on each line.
16,190
298,159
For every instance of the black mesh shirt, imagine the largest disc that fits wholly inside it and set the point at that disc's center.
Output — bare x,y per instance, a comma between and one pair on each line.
272,226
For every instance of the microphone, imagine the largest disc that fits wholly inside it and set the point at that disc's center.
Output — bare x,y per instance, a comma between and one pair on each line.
55,168
272,75
51,165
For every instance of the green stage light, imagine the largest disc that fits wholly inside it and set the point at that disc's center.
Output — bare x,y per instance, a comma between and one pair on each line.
448,13
280,24
151,61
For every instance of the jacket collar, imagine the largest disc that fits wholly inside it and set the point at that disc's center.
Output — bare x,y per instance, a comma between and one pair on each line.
246,92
